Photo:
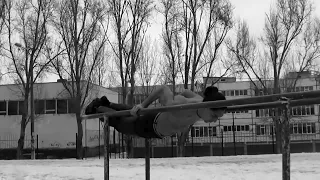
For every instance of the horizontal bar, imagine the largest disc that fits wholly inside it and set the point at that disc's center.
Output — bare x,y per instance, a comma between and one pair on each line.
214,104
269,105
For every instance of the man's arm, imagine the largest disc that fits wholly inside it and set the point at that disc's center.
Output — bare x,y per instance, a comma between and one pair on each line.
190,94
163,93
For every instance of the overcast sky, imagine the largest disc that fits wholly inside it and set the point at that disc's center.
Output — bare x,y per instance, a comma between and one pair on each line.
252,11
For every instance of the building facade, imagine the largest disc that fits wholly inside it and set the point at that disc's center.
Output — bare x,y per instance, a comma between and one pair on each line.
55,121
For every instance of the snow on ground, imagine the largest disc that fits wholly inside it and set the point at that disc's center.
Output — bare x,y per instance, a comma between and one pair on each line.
260,167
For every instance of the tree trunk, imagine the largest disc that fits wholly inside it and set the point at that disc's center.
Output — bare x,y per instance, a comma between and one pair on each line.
277,118
182,137
21,138
79,137
129,139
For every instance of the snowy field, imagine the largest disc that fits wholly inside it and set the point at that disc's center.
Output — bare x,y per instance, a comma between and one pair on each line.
262,167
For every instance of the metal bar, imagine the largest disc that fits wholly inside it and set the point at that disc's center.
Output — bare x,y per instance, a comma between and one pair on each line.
293,103
286,143
106,130
246,102
147,158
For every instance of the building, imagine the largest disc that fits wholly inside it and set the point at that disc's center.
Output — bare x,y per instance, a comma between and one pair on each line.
55,121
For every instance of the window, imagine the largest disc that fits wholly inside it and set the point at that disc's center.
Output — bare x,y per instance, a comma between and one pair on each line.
13,107
261,129
197,131
302,110
39,106
50,106
62,106
205,131
3,108
212,131
236,92
239,112
236,128
265,113
302,128
21,107
71,106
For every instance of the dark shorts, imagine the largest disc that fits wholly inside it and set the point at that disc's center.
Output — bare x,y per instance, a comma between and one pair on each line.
145,126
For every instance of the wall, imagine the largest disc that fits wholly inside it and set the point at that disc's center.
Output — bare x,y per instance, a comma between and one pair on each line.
53,130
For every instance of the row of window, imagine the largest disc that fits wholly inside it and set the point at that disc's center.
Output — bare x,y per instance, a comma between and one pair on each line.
261,92
295,111
52,106
239,112
241,92
295,128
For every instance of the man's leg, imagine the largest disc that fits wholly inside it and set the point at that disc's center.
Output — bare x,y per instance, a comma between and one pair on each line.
125,125
104,101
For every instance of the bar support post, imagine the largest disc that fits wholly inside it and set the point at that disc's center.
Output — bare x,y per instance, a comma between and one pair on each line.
106,133
147,157
286,141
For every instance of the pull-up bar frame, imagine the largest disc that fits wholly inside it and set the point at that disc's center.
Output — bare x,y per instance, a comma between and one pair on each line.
252,103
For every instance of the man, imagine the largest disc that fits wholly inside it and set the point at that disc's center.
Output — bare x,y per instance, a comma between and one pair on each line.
159,125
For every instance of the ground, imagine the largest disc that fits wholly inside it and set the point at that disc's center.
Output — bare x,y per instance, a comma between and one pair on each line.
261,167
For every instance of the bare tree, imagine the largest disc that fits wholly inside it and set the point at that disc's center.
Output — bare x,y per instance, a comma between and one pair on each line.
130,23
197,30
284,25
100,69
148,73
82,31
27,47
118,9
3,4
304,54
242,52
172,42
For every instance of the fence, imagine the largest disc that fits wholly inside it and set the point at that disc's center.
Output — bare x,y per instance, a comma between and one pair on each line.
223,143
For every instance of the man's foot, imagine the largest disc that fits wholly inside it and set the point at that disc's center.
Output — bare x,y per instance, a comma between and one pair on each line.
93,106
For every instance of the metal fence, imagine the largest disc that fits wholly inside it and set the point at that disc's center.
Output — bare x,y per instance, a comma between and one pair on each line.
93,140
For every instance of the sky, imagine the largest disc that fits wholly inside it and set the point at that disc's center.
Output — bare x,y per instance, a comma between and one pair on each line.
252,11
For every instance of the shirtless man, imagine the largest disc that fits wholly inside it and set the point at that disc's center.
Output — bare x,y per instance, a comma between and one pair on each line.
160,125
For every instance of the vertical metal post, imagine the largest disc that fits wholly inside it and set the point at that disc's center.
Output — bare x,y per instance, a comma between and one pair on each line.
114,143
192,145
172,146
76,142
286,142
222,146
37,147
99,139
119,136
272,132
147,158
234,135
122,146
106,131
